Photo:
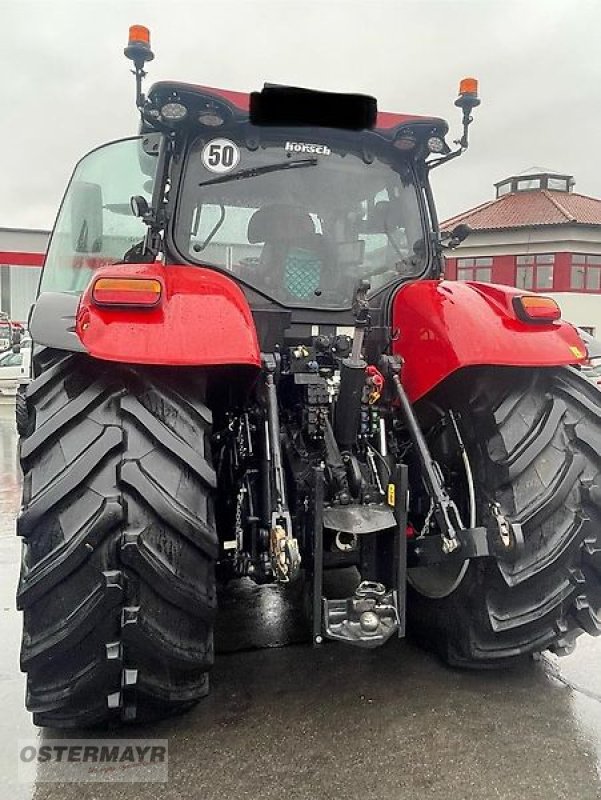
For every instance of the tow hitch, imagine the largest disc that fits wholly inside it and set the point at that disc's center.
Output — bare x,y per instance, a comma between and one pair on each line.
376,609
367,619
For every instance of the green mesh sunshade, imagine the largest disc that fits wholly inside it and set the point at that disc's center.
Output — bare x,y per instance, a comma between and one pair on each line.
302,273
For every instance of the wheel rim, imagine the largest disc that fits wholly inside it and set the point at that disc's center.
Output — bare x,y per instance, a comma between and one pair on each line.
439,581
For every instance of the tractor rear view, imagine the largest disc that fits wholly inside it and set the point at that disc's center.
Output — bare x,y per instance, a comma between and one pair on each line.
247,363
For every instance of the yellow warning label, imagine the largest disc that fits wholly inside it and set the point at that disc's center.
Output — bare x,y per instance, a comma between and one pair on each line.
391,494
576,351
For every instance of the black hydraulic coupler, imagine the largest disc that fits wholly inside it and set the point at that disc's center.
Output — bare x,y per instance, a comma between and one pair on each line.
348,405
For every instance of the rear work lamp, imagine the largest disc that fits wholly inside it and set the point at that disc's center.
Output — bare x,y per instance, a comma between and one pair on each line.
536,308
145,292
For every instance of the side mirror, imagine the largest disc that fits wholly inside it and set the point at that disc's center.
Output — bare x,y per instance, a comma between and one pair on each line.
452,239
139,206
86,217
16,348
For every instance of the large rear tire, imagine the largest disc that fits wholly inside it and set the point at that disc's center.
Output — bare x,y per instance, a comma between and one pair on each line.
117,582
534,443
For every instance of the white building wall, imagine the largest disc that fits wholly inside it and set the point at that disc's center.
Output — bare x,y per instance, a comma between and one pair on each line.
583,310
526,241
23,240
19,281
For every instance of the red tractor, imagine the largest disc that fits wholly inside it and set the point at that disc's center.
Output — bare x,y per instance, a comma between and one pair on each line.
247,363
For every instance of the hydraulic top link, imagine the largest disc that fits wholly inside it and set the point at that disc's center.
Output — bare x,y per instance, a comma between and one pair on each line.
283,547
444,510
273,424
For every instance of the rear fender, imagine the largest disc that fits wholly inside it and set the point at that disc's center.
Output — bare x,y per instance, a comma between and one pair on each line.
202,319
443,326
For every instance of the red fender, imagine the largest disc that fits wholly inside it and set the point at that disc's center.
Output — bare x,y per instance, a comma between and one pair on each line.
202,318
444,326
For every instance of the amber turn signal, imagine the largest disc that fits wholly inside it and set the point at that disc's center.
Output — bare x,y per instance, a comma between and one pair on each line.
126,292
536,308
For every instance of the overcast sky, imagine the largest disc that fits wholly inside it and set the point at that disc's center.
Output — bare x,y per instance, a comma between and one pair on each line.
65,85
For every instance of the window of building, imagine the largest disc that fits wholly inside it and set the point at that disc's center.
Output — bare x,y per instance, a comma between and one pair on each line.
503,188
527,184
534,272
585,273
558,184
474,269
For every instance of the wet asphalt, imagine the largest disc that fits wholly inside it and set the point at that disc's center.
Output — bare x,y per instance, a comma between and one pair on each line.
287,721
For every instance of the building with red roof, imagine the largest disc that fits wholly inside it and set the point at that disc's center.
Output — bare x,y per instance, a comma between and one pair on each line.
536,234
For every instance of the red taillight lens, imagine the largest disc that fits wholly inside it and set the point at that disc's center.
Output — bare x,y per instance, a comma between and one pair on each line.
126,292
536,308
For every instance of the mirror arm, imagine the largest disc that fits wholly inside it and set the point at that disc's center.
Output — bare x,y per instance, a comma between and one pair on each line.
466,122
150,247
139,53
140,73
463,143
467,101
443,159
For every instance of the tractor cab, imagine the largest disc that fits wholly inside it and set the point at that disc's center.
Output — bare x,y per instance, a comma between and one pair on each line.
299,216
299,196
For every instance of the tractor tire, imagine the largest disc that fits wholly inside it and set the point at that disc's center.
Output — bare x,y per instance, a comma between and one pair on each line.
119,545
21,411
534,442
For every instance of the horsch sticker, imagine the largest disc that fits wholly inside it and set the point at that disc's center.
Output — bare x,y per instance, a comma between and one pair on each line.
307,147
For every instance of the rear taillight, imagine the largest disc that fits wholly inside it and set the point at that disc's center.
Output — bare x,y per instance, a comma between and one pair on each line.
536,308
126,292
